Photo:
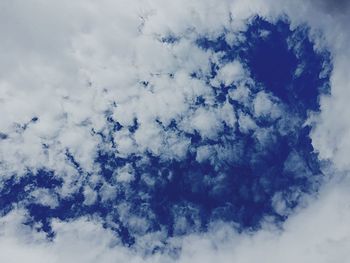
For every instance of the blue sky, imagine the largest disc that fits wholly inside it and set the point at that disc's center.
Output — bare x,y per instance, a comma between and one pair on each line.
174,131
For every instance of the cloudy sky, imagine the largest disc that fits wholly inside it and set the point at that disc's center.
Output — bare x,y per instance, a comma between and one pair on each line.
174,131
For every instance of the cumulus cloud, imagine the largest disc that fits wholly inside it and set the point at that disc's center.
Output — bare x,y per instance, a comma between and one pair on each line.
129,79
317,233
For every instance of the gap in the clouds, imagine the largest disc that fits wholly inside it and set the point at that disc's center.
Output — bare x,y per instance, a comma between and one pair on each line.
15,189
3,136
280,59
239,179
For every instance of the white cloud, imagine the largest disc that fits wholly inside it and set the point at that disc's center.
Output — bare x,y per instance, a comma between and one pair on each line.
241,94
125,174
53,50
229,73
318,232
44,197
90,196
263,106
246,123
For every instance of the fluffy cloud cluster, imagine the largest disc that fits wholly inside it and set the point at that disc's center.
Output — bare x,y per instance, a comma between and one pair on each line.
319,233
84,81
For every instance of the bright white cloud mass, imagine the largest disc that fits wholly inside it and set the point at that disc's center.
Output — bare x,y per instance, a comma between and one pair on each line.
174,131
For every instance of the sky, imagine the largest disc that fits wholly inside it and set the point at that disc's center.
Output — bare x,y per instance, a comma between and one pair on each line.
174,131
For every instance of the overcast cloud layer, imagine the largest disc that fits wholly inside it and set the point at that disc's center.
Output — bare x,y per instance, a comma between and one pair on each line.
81,81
